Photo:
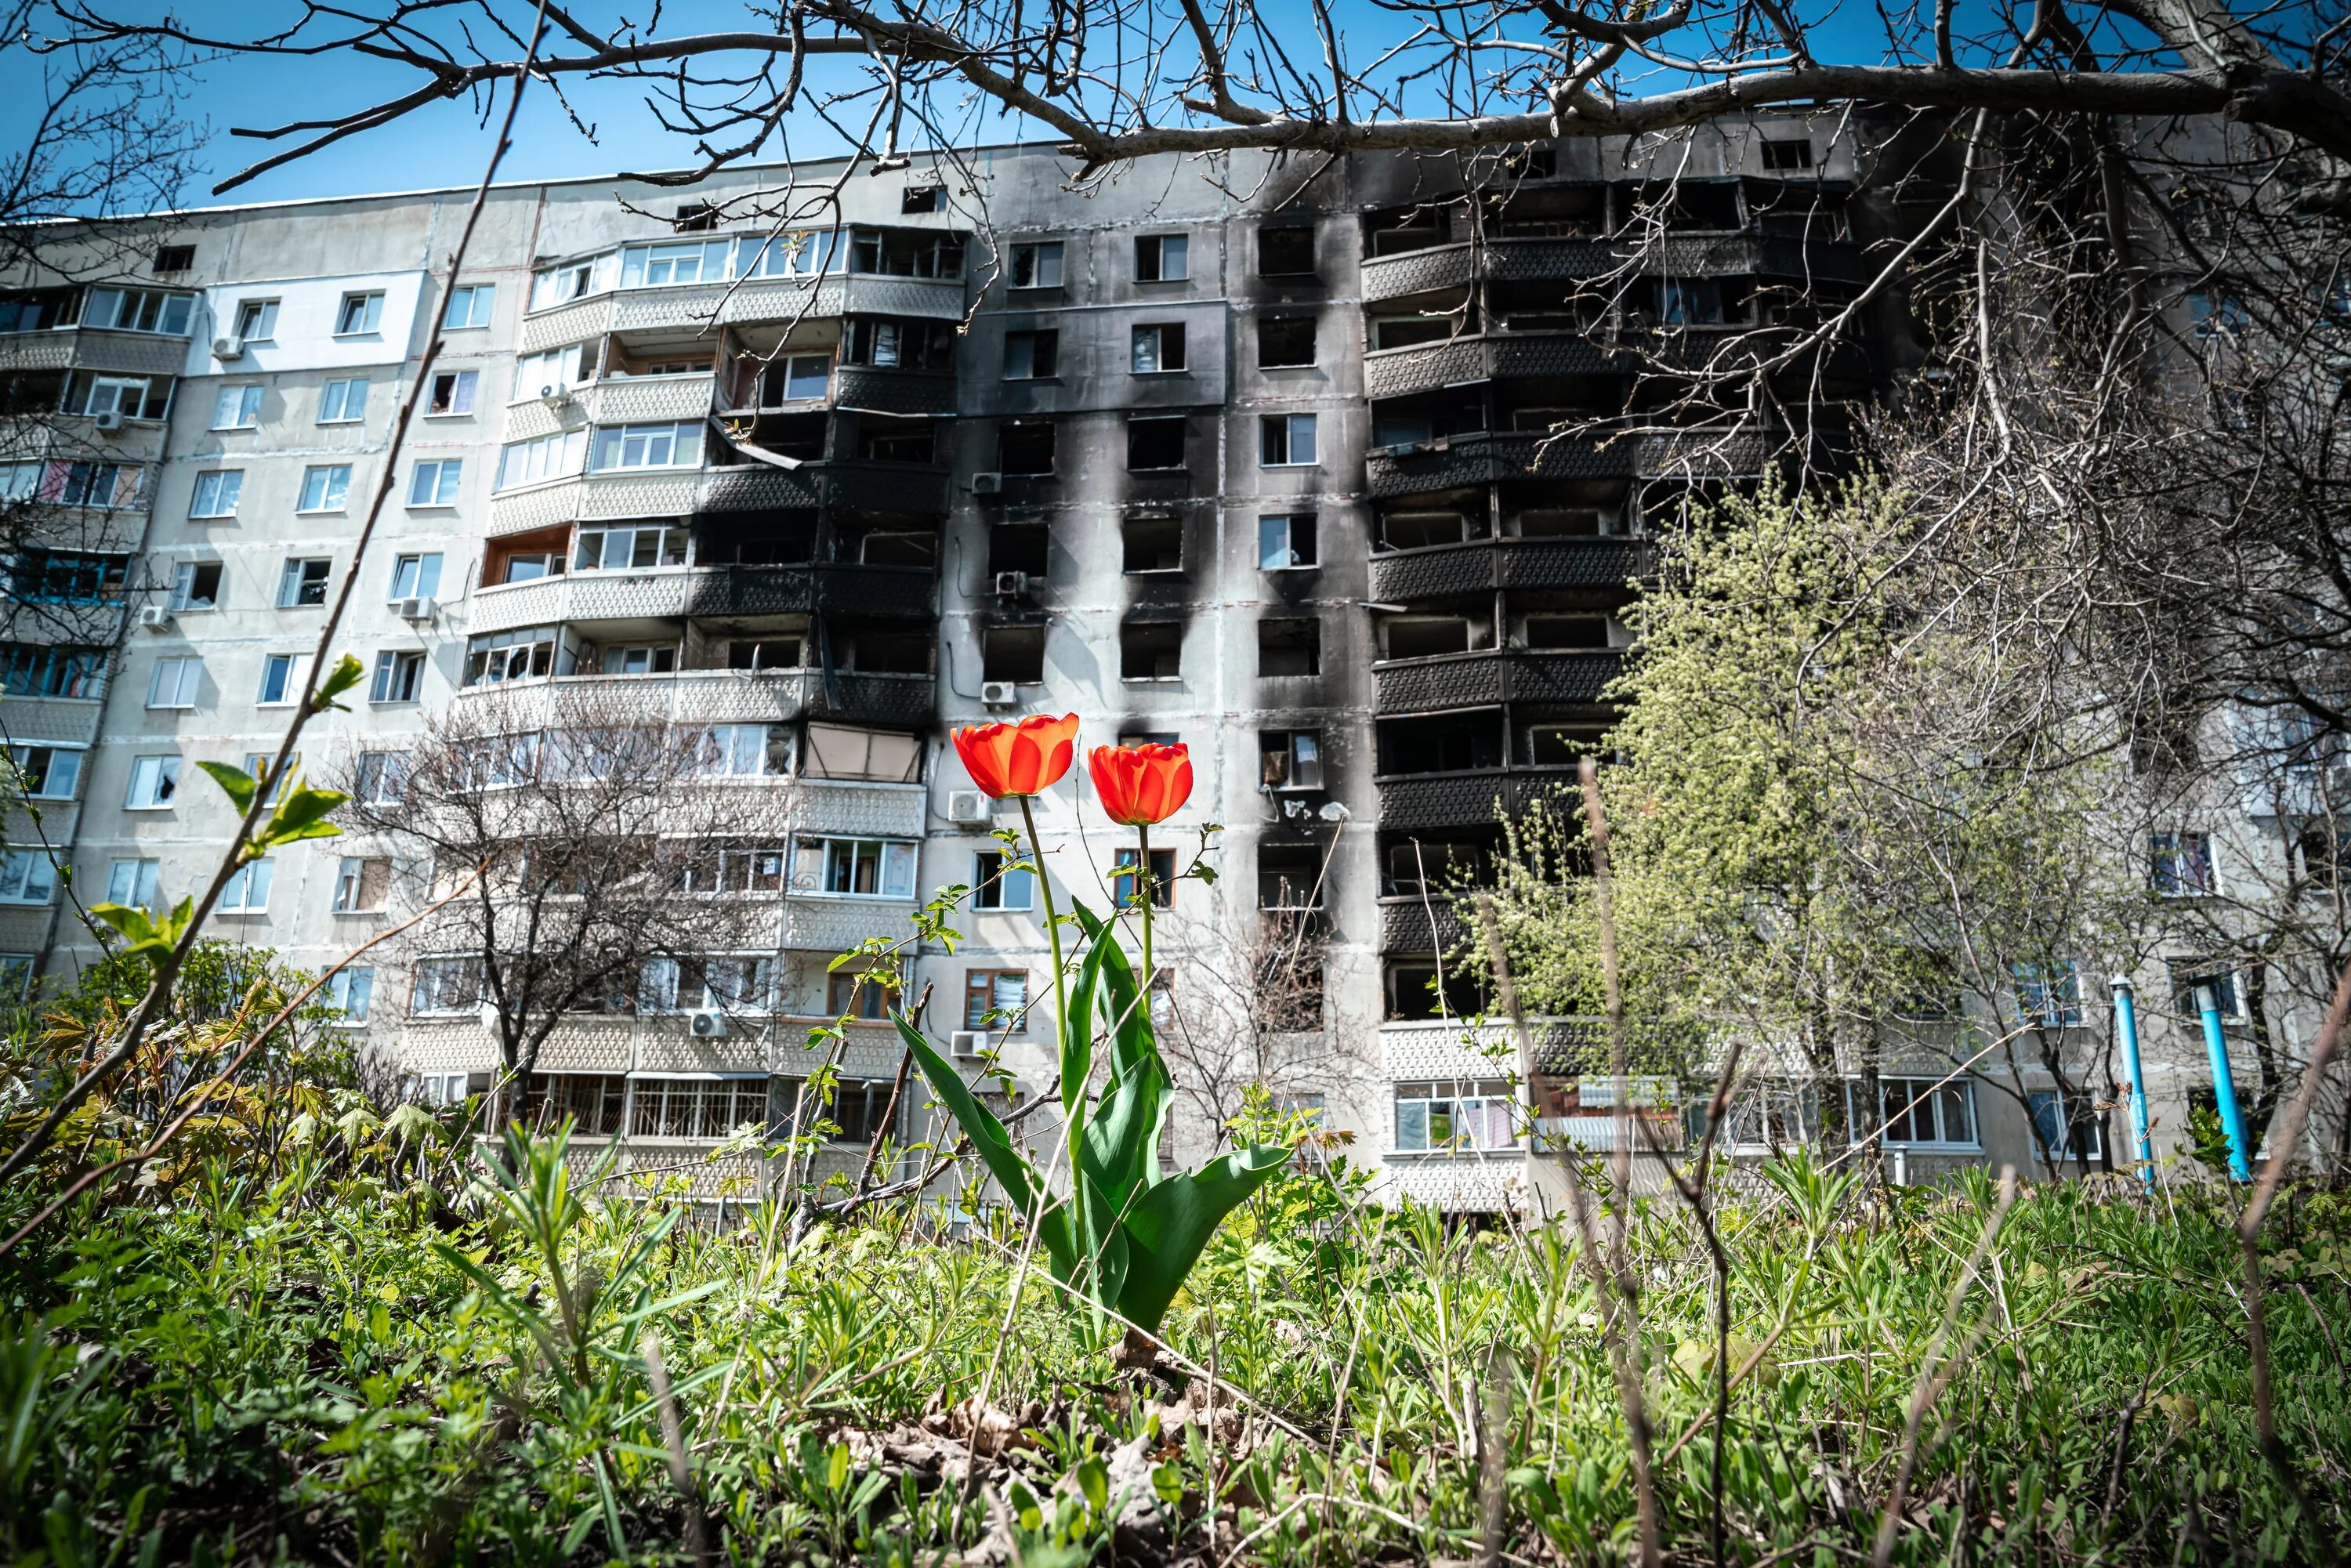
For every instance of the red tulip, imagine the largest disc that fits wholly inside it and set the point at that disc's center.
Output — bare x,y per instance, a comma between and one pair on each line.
1140,785
1024,758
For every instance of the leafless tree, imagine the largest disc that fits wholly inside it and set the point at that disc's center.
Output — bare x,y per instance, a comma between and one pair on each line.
628,863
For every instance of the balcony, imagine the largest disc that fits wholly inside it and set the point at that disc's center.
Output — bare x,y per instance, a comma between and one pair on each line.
699,307
714,696
1478,566
658,595
35,721
1475,797
863,486
1488,677
850,806
624,400
660,493
840,587
837,925
877,391
1485,357
94,349
1405,925
1453,463
1447,268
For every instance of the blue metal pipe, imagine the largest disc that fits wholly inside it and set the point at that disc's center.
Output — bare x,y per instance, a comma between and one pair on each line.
2224,1087
2127,1031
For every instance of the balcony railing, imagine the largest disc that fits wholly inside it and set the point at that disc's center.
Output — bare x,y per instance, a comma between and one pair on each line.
698,307
1474,566
1473,797
1486,677
715,697
1455,462
1485,357
1544,260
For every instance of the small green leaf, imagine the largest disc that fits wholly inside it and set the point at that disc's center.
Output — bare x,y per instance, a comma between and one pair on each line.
301,815
347,673
132,924
240,786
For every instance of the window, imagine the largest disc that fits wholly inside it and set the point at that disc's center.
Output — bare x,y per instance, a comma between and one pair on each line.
1916,1111
648,446
1015,653
26,876
2050,994
246,892
303,583
453,986
2188,976
859,1113
1025,446
1289,877
452,392
664,265
1482,1115
904,345
381,777
510,656
154,780
281,679
996,998
174,257
879,756
526,565
1567,632
922,199
548,457
1024,548
1284,341
100,485
42,671
324,489
734,869
765,654
849,995
141,310
469,306
259,767
1290,759
416,576
745,751
1286,441
1156,442
1285,252
361,313
362,884
695,1107
343,402
46,772
399,677
175,683
1037,265
236,408
68,576
351,990
994,887
1288,646
434,484
1285,542
648,659
132,397
1151,651
256,320
554,372
1157,348
856,868
1153,543
1785,154
134,882
1162,258
1030,355
1162,875
630,548
2079,1134
2180,865
2216,315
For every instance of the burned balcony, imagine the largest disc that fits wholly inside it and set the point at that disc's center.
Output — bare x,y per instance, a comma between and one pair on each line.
1592,560
1484,677
1446,463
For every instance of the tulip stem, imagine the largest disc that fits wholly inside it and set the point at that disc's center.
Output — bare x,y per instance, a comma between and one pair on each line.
1073,1100
1052,922
1143,881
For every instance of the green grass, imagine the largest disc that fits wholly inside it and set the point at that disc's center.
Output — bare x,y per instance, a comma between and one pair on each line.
328,1362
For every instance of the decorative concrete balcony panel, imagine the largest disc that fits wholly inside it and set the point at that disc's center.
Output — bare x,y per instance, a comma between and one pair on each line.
1405,925
1486,678
840,588
851,588
1469,799
1467,460
854,809
645,400
1428,1047
60,819
1699,454
752,591
691,696
664,1045
860,698
1441,266
78,625
757,488
894,392
817,923
1471,1181
39,720
561,325
25,928
1479,565
668,494
585,596
1432,367
433,1044
50,351
1544,260
885,487
877,294
534,417
129,353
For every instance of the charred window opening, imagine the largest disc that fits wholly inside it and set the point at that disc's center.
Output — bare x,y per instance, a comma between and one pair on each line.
1421,530
1563,744
1031,355
886,653
757,539
1289,645
1290,876
1433,868
755,653
1290,758
1428,636
1150,650
1441,743
1562,523
1567,630
1285,340
694,218
903,344
1014,654
1018,547
1414,984
1154,443
1285,251
922,199
1025,446
1153,544
889,542
882,440
1785,154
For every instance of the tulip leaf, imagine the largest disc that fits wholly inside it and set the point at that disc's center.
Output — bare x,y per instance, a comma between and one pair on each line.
993,1142
1170,1225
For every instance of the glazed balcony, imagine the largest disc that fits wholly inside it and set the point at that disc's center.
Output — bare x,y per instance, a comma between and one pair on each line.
1476,565
1445,269
698,307
97,349
1474,798
1485,677
656,594
1456,462
715,697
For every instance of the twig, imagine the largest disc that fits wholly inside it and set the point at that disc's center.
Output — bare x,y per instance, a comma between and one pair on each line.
681,1467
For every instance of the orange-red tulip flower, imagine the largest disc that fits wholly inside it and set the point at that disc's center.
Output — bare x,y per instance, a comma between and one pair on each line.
1140,785
1024,758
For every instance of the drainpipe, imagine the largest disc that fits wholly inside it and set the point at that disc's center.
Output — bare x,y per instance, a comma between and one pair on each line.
2224,1088
2127,1031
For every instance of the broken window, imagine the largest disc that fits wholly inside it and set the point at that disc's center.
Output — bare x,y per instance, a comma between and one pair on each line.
1441,743
1036,264
1150,650
1285,542
1290,759
1288,876
1162,258
889,653
1288,645
1030,355
875,755
1156,442
765,654
1426,636
1153,544
1285,251
1567,632
1018,547
1025,446
1285,340
1014,654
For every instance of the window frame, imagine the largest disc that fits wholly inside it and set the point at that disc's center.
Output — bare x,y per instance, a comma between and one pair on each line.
160,773
992,887
370,314
334,494
481,301
1037,256
187,677
1157,334
1291,522
1458,1094
448,477
1288,426
1159,242
248,395
338,395
980,999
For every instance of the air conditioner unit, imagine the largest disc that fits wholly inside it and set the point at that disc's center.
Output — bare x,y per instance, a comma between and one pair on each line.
969,808
111,420
417,607
987,483
967,1044
998,694
1012,585
155,618
230,346
707,1023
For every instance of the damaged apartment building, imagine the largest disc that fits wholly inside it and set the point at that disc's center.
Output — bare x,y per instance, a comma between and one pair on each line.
1274,475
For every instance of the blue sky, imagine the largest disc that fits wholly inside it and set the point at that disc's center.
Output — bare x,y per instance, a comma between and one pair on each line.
445,145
